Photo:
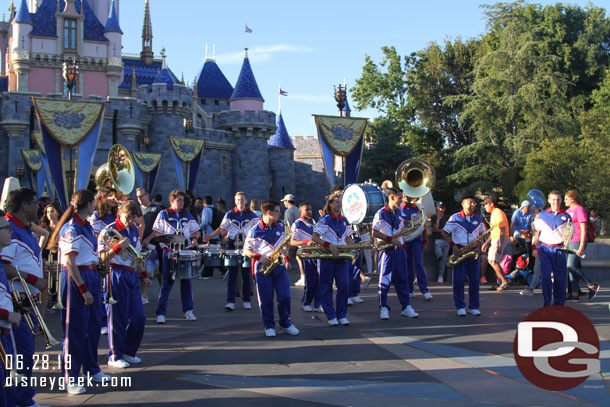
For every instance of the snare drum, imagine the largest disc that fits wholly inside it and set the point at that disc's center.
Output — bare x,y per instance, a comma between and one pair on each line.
184,264
361,201
232,258
212,257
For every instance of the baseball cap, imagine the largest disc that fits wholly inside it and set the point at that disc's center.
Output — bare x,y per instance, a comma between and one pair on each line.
288,197
524,204
487,200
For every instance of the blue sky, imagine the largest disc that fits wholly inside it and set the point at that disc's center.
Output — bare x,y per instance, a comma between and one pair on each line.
307,46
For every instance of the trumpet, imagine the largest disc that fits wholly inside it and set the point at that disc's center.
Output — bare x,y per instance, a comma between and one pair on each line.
21,304
54,273
321,252
13,376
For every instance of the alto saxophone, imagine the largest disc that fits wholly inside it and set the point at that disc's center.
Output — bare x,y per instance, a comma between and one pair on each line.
467,251
276,257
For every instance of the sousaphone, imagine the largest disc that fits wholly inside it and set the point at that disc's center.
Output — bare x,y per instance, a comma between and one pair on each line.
118,173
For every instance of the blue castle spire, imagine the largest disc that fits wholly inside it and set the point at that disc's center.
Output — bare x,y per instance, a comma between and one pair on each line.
246,87
346,107
112,24
23,15
280,139
212,83
166,75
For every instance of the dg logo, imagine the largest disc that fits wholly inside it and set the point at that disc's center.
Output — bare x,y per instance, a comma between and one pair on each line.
557,348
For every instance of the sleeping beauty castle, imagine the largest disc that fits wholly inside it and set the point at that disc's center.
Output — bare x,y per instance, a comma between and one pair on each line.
213,138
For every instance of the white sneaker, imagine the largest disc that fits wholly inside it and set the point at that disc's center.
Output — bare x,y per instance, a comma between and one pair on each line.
160,319
230,306
440,279
474,312
318,309
333,322
307,308
384,313
247,305
291,330
349,301
121,363
357,300
145,300
527,292
300,282
366,282
190,316
461,312
428,296
104,330
269,332
411,295
134,360
75,389
409,312
343,321
100,377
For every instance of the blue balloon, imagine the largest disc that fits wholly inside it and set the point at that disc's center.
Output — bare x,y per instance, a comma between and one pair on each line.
536,198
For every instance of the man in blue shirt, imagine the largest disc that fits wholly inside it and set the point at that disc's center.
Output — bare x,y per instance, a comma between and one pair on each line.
521,219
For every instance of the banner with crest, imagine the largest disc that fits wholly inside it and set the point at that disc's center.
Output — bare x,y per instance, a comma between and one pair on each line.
344,137
69,126
33,166
186,153
147,169
44,164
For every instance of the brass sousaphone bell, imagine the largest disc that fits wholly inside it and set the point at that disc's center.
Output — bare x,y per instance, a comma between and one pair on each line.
118,173
415,177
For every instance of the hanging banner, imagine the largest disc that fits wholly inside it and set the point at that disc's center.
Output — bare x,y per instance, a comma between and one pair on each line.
45,165
147,168
341,136
187,151
73,125
33,165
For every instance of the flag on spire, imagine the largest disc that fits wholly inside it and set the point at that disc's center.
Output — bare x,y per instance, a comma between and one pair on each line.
248,30
283,92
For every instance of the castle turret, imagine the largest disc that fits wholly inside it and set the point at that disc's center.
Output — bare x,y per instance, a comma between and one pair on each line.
213,88
281,161
147,36
246,95
113,32
21,47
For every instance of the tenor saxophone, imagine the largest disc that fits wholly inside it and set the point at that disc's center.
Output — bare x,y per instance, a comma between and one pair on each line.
320,252
467,251
276,257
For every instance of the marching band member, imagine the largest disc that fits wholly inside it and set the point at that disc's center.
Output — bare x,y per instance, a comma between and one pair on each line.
414,250
80,291
333,230
105,210
174,220
24,254
238,221
262,240
392,261
462,228
302,231
8,318
548,239
126,318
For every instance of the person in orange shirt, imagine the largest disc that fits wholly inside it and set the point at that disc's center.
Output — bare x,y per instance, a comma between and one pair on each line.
498,239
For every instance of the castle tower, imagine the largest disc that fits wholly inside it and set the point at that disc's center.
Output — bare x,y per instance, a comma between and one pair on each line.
251,127
113,32
213,88
281,161
20,48
147,36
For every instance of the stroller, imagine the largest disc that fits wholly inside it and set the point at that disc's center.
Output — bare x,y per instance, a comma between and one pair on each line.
523,261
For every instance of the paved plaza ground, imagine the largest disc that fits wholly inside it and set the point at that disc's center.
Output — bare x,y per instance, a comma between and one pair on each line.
439,359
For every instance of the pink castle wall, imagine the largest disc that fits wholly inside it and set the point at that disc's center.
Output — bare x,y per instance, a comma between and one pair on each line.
96,83
247,104
41,80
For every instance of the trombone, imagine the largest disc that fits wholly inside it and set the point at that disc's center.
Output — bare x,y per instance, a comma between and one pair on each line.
20,303
54,272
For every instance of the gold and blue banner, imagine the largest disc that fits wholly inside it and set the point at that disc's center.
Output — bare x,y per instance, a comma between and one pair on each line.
147,169
45,164
33,166
68,125
186,151
344,137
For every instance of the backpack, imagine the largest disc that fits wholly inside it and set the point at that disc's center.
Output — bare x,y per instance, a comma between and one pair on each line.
590,231
217,217
506,264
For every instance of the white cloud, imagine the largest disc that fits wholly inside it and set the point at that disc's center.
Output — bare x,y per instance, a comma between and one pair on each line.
307,97
259,53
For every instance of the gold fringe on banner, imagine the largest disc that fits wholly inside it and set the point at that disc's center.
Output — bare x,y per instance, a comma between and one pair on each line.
342,133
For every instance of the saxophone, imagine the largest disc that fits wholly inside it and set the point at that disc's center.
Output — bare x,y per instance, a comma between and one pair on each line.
467,251
276,257
411,229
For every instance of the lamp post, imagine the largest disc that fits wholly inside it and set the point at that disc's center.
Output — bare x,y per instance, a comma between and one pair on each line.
340,97
70,73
